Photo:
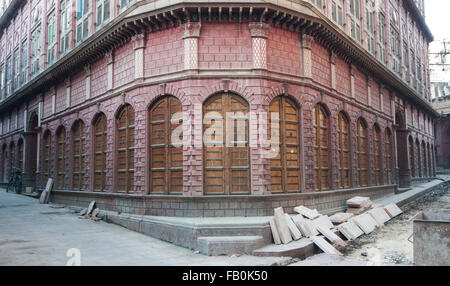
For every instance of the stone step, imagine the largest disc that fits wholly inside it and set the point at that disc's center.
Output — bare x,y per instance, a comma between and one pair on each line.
225,245
402,190
302,249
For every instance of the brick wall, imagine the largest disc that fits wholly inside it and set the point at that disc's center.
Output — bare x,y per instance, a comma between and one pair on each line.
283,51
124,64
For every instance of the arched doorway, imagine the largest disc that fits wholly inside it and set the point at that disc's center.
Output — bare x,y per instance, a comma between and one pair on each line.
402,156
31,152
226,151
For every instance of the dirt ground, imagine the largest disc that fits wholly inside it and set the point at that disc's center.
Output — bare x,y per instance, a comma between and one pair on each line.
389,244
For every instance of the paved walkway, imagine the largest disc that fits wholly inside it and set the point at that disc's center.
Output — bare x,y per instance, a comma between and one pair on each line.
34,234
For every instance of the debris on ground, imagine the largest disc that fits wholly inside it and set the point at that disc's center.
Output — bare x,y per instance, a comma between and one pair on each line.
90,212
46,193
328,233
56,206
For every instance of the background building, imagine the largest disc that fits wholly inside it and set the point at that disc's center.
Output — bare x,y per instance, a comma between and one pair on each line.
89,89
440,94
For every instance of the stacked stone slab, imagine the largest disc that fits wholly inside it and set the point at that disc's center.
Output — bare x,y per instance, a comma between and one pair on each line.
358,205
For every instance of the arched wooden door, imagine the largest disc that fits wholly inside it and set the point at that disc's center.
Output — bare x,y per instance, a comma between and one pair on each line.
125,149
412,163
4,163
166,157
424,160
61,157
388,155
100,152
20,154
12,159
419,162
344,151
226,161
376,136
78,155
363,171
321,158
47,145
285,160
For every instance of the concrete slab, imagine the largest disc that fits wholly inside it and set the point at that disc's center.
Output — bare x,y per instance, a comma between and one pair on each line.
227,245
302,249
274,230
324,246
393,210
283,229
339,218
350,230
359,202
379,215
295,233
331,236
323,220
306,212
306,226
365,222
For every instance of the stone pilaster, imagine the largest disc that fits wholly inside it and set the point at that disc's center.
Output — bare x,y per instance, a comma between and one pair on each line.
68,86
53,92
87,70
139,46
352,81
110,73
259,33
306,41
191,35
333,70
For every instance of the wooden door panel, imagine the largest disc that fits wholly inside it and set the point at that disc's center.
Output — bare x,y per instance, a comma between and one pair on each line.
226,169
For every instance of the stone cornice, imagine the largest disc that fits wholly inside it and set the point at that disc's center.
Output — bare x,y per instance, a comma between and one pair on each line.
143,16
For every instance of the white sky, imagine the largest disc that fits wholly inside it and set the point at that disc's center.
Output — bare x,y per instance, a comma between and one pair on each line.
437,15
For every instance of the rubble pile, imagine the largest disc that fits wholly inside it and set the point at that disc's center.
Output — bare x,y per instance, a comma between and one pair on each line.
329,233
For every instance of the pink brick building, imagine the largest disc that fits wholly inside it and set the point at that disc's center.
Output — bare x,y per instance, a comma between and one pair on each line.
89,90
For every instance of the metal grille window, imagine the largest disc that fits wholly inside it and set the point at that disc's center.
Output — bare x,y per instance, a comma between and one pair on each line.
321,159
376,136
382,36
16,69
395,49
370,14
51,39
124,4
8,76
363,171
82,26
405,62
344,151
100,151
35,51
102,12
61,157
285,160
166,157
337,14
78,155
24,63
226,166
125,151
65,26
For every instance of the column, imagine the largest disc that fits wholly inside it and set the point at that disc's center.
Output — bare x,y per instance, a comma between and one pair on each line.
110,73
333,70
87,70
259,32
306,42
191,35
139,46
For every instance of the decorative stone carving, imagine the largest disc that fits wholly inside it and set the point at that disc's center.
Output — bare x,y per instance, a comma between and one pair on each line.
138,41
191,35
259,32
259,29
192,30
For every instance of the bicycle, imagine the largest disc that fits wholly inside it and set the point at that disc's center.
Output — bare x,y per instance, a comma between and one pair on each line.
15,181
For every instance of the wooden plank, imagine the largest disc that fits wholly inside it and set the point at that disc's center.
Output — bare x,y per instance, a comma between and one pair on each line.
331,236
295,233
283,229
273,228
393,210
325,246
